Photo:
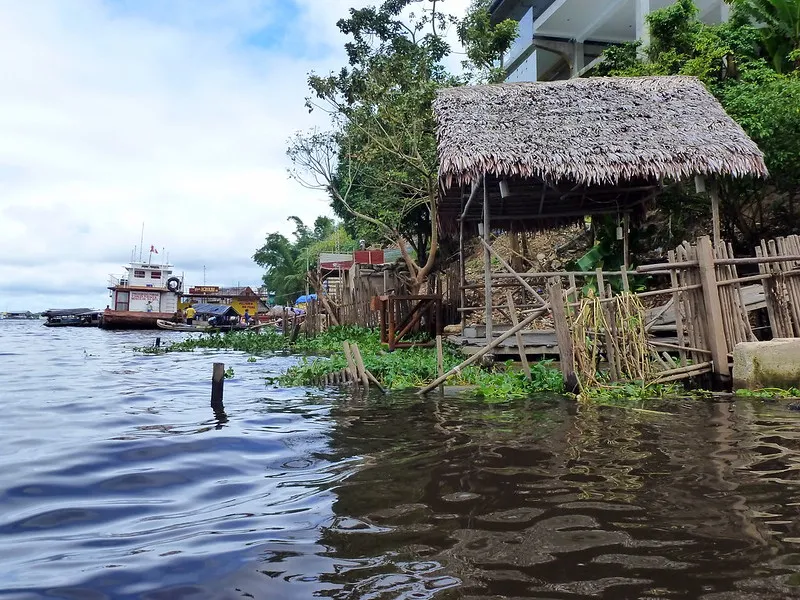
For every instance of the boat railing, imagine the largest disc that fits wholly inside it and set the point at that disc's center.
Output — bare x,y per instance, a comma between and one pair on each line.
114,280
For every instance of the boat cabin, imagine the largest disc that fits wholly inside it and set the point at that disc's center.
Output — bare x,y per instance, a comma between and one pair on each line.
72,317
145,287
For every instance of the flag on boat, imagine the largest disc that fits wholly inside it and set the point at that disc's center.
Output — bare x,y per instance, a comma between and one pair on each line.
153,249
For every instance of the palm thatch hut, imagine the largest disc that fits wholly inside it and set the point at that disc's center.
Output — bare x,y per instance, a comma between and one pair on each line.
542,154
566,149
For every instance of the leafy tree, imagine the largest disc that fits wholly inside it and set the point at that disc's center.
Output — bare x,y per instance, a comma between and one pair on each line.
730,59
287,262
781,34
485,42
379,163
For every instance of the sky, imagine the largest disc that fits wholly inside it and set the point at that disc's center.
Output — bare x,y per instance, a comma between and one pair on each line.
169,113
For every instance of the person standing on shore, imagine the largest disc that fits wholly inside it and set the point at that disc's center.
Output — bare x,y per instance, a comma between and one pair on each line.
190,313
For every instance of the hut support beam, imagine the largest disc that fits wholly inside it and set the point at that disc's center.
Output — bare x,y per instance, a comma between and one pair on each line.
716,334
487,262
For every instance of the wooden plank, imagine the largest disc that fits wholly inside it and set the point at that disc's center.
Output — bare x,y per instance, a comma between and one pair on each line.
557,308
520,344
718,345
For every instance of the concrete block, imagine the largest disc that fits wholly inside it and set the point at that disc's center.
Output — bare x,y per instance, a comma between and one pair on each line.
470,332
773,364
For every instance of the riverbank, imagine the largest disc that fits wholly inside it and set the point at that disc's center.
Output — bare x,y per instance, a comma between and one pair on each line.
410,368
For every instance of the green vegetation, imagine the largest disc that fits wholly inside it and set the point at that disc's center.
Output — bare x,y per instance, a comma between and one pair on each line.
769,393
378,163
755,74
286,262
407,368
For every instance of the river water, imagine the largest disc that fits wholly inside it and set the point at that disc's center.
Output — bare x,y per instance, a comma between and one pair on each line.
117,480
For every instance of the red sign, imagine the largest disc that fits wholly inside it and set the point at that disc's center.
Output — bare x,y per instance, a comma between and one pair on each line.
204,289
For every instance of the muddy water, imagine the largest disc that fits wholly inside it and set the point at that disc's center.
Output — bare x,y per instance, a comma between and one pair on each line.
118,481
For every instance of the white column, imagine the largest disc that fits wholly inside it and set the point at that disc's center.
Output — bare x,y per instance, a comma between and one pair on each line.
642,31
724,11
578,58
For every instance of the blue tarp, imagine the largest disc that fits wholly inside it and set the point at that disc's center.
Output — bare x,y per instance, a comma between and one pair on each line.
214,309
304,299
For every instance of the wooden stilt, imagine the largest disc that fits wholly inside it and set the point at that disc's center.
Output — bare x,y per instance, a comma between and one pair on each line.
487,262
217,386
439,361
718,346
488,348
563,335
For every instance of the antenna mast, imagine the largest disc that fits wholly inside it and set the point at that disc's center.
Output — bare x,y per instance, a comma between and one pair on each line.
141,243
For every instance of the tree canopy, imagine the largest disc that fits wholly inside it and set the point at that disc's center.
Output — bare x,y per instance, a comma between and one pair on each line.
379,163
737,62
287,261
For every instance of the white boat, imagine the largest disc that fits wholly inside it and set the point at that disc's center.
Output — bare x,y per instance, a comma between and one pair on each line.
146,293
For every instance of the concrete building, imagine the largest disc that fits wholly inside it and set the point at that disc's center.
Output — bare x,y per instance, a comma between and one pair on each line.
559,39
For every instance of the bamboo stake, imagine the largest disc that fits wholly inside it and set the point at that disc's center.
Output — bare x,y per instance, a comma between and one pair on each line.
565,347
719,348
439,361
688,371
523,358
362,370
351,365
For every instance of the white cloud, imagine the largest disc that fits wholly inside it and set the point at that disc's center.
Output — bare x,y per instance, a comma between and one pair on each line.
110,117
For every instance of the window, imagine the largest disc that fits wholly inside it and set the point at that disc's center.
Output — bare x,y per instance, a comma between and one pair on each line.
155,275
122,301
139,273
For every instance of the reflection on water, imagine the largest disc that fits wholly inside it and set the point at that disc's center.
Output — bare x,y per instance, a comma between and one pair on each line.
118,480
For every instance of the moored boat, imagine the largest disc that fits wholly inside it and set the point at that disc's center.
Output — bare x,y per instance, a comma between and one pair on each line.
72,317
173,326
146,293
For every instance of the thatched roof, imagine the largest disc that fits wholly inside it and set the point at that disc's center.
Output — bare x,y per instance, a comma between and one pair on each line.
595,131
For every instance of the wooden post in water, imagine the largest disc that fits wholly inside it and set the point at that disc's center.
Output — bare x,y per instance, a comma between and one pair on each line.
217,387
713,316
563,335
158,342
440,361
523,357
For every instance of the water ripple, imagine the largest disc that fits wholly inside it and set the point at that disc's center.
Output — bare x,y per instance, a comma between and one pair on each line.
117,480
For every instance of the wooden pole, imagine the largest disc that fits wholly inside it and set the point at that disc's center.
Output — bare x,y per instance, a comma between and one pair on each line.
626,259
511,270
217,386
713,316
713,191
462,270
487,263
565,350
362,370
439,361
351,365
489,347
523,357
